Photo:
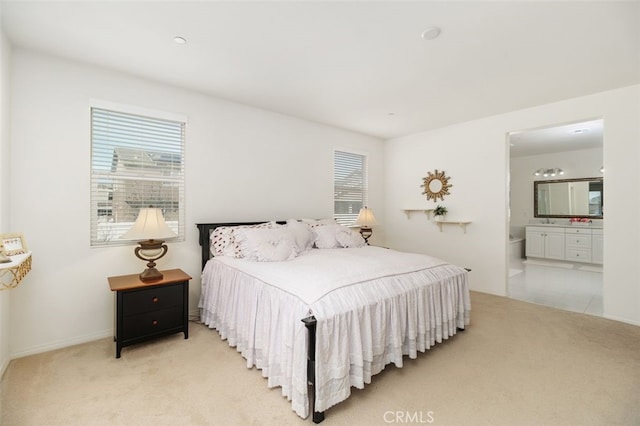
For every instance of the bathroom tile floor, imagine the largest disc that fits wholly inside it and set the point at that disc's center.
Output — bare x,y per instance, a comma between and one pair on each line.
567,288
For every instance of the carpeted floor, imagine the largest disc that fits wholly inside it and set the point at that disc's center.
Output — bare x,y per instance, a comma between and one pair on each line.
516,364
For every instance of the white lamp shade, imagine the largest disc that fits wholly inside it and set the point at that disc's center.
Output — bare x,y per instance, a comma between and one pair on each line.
366,218
149,225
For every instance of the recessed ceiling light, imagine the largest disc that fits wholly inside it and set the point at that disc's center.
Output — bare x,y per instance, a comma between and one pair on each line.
431,33
180,40
580,130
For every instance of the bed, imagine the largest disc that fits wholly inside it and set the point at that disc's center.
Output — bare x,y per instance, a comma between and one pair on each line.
320,321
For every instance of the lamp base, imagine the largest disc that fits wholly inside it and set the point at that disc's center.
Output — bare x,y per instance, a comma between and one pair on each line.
366,233
150,274
151,250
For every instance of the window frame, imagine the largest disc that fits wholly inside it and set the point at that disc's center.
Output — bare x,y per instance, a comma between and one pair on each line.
349,219
166,176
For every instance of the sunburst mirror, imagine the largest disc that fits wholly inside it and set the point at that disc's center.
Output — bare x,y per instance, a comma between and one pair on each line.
436,185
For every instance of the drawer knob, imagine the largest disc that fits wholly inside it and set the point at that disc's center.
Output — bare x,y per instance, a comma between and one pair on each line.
155,300
154,322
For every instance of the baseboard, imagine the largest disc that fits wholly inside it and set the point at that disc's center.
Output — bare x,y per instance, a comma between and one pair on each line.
193,315
591,268
3,368
556,264
62,344
624,320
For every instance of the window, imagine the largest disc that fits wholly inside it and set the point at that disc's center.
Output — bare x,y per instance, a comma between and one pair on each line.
350,186
136,162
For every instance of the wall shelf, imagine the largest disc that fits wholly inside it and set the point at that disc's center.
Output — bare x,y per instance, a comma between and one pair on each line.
429,212
462,223
12,273
425,211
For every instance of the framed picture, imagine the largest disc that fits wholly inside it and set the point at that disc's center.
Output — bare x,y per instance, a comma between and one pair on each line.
12,244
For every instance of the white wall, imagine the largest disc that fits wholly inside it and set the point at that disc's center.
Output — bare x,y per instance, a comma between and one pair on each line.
475,155
5,60
242,163
582,163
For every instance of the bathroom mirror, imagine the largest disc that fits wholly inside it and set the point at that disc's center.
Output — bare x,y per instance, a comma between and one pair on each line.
566,198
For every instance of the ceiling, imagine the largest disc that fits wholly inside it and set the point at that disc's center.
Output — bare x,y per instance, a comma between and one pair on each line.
359,65
560,138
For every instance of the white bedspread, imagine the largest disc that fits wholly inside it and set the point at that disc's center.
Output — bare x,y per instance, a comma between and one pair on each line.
373,306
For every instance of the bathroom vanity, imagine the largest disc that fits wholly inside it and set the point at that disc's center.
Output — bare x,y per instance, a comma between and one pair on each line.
572,243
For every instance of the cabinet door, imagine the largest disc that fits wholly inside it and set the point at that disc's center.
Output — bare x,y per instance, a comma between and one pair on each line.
554,245
597,248
535,244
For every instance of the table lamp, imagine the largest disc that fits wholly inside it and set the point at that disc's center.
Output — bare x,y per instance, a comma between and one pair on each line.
365,221
150,230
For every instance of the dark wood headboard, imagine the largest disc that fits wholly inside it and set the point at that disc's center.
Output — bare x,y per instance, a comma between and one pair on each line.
207,228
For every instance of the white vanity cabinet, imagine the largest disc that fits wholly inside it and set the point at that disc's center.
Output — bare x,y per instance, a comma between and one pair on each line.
578,244
570,243
545,242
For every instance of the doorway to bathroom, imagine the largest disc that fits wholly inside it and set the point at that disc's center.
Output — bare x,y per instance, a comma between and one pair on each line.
555,237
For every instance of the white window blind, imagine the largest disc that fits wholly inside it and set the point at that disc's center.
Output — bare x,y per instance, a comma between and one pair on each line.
350,186
136,162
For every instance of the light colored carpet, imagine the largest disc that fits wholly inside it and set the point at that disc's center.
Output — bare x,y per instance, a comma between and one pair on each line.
516,364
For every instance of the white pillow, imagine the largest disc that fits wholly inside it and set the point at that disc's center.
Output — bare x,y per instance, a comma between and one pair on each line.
349,238
222,239
312,223
266,245
336,236
302,235
325,236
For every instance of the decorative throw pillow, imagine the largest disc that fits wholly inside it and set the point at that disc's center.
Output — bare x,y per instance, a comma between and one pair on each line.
349,238
223,239
325,236
266,245
220,238
302,235
312,223
336,236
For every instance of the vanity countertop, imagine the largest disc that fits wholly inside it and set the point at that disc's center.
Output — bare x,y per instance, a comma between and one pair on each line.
560,225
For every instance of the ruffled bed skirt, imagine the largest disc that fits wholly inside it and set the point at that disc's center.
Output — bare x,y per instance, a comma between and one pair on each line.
360,328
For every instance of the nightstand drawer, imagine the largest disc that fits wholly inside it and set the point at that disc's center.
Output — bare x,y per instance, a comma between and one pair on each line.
151,299
151,322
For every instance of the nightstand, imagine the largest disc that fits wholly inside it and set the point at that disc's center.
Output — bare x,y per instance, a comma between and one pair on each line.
146,310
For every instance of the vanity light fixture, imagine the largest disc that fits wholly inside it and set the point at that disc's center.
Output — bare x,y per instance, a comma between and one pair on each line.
549,172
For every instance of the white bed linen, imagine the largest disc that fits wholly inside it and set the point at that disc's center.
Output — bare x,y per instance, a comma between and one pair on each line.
373,306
